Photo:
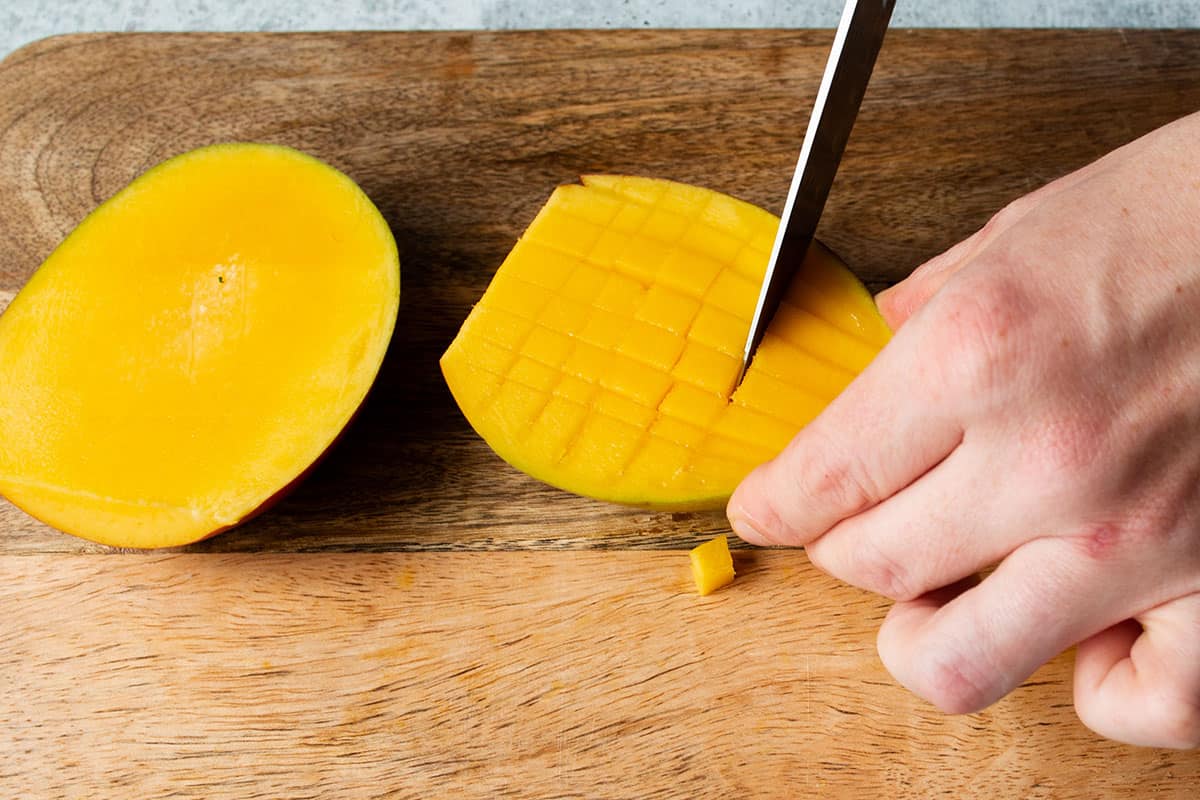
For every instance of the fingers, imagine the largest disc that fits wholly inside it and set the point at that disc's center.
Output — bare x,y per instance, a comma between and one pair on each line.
944,527
1141,684
886,429
965,653
889,427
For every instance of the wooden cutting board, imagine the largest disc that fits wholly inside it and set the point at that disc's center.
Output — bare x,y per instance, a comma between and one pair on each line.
420,620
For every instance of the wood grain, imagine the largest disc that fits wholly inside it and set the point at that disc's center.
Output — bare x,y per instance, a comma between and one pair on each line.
468,675
460,137
588,672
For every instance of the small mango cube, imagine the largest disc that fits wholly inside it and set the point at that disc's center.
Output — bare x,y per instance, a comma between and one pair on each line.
712,565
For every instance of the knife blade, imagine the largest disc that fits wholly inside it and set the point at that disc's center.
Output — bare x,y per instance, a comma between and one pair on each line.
843,84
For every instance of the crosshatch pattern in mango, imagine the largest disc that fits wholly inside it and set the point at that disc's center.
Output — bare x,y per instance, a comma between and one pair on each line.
602,357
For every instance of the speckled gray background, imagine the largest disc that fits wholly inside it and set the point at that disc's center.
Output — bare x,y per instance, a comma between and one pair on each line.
23,21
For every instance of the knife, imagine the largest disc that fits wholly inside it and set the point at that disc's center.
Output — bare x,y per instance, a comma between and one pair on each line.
855,46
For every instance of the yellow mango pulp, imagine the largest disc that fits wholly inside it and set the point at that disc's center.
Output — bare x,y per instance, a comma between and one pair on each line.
712,565
602,357
193,346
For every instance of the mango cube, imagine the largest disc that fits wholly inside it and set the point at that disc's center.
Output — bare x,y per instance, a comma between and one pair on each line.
712,565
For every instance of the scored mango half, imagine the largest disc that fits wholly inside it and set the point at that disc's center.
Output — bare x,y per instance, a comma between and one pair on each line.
603,355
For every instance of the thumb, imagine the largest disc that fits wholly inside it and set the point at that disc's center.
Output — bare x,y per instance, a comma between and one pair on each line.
901,301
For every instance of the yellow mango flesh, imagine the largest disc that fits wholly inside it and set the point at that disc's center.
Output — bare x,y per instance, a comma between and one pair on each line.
193,346
602,357
712,565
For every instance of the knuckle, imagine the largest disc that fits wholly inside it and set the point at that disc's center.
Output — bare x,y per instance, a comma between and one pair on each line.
838,482
1012,212
877,571
841,487
1108,541
983,334
952,683
1101,541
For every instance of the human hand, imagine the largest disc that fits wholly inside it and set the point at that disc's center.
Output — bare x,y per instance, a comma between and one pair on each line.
1038,409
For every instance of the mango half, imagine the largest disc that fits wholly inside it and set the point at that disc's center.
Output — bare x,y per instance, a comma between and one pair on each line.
193,346
602,357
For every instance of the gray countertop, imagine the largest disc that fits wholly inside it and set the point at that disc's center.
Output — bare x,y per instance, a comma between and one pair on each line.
23,21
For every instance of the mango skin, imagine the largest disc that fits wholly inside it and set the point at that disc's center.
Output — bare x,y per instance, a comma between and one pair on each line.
602,356
194,346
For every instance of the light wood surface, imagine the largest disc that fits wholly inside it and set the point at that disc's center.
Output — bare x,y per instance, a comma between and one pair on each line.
471,675
571,659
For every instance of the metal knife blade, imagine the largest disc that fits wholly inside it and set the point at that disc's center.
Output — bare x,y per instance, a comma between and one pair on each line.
851,60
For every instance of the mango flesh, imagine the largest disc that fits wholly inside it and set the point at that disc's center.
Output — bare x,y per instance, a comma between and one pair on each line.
712,565
193,346
602,357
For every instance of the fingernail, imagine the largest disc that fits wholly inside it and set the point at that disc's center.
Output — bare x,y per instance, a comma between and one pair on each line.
744,526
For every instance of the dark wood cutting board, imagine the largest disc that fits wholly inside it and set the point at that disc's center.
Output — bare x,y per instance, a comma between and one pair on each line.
420,672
